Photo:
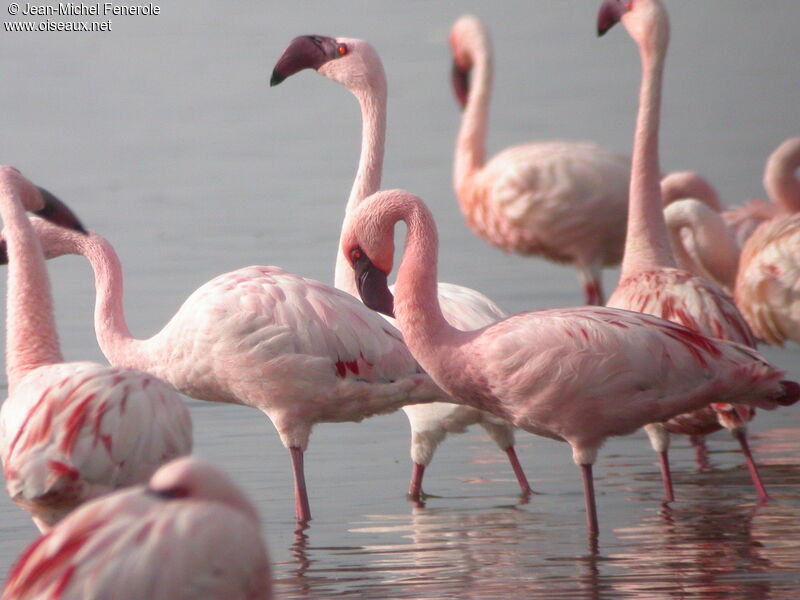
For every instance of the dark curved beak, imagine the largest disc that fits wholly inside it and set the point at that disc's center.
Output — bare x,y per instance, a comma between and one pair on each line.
610,13
303,52
373,287
460,78
59,213
3,253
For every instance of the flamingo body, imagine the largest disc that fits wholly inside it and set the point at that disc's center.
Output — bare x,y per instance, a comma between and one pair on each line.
768,283
74,431
164,541
556,199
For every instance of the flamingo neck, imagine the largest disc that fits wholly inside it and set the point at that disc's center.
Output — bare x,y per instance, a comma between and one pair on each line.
780,178
471,140
417,308
115,339
714,254
32,340
370,167
647,242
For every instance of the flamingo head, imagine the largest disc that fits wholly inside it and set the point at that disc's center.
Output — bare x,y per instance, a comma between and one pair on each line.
55,240
368,244
350,62
468,39
38,200
646,21
192,478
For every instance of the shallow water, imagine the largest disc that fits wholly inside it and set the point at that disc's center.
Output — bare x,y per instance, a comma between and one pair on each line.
165,136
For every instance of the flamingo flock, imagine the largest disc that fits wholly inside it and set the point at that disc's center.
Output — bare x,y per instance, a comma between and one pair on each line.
100,455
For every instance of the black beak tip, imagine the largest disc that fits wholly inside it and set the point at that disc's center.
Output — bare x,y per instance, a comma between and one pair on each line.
276,78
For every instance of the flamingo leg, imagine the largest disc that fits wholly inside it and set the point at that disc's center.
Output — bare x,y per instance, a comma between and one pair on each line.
751,466
588,495
415,487
302,511
666,477
523,481
700,452
593,293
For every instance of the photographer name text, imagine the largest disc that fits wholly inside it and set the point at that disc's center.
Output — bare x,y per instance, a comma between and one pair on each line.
69,9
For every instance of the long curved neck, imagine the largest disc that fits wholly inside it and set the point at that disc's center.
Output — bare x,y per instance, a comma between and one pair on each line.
118,345
370,167
32,340
780,178
647,242
417,308
471,140
714,253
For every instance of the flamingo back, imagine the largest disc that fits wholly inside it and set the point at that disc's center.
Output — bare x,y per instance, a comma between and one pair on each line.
73,431
567,201
135,544
768,283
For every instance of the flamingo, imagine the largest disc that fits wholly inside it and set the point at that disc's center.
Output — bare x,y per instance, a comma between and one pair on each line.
296,349
69,431
780,182
189,533
577,375
565,201
356,65
650,281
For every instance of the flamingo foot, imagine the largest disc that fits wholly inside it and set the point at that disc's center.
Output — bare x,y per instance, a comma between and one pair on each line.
700,453
415,487
588,495
666,477
524,487
302,511
751,466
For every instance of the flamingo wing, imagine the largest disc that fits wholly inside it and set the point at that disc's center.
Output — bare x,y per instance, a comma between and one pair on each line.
768,283
136,545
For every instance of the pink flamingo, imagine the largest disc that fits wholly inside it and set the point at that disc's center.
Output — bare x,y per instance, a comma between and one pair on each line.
649,281
780,182
356,65
69,431
565,201
577,375
190,533
298,350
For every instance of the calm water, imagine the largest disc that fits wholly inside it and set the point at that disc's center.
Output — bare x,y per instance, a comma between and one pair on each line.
165,136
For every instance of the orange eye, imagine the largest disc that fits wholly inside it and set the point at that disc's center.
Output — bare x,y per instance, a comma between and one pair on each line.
342,49
356,254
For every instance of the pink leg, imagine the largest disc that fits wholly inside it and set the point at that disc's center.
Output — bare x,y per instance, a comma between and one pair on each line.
415,487
588,495
594,293
302,511
700,452
666,477
751,466
523,481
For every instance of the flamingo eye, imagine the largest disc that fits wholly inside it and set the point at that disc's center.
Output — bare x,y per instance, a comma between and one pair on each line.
356,255
342,49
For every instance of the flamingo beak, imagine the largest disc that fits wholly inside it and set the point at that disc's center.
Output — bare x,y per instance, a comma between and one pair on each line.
610,13
303,52
373,286
3,252
59,213
460,78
